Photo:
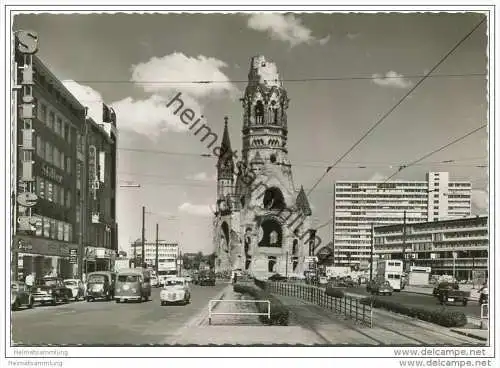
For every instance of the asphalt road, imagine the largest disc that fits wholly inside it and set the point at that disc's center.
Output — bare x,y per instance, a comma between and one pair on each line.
108,323
472,309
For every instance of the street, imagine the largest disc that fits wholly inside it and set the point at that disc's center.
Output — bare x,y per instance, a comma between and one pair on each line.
108,323
420,300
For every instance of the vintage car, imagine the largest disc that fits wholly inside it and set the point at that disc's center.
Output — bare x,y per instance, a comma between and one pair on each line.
20,295
51,290
133,284
77,288
448,292
154,281
381,288
176,290
206,277
100,285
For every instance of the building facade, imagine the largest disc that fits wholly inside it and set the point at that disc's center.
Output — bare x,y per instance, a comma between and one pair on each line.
97,175
262,221
359,204
456,247
47,119
166,251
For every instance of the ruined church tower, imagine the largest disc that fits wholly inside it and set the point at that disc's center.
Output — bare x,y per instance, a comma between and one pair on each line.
268,217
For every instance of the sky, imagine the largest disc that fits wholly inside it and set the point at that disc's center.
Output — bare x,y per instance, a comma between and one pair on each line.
342,72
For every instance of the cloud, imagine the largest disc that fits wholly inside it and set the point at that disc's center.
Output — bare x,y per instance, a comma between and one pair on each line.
391,79
88,97
377,177
173,71
202,176
286,28
480,201
196,209
152,116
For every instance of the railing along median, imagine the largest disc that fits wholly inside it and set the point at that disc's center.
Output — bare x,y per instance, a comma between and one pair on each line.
212,313
348,306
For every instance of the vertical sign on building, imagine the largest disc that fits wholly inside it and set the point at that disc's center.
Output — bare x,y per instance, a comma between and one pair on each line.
26,45
93,179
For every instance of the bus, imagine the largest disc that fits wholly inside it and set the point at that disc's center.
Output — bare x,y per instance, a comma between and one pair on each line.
167,267
390,270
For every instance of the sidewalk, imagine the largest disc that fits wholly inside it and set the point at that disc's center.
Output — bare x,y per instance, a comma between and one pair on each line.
309,325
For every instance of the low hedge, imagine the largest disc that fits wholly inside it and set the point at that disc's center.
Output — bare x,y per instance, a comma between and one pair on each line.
441,317
334,292
260,283
279,312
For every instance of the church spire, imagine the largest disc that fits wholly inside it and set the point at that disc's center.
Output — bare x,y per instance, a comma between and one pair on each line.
303,203
225,163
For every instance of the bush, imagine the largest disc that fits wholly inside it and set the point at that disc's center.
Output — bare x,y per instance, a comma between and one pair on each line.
261,284
334,292
279,312
441,317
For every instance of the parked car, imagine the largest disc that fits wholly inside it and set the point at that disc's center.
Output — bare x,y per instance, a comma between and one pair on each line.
448,292
100,285
154,281
381,288
77,288
176,290
51,290
20,295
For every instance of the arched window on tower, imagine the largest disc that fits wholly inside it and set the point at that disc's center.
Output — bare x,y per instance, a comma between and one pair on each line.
259,112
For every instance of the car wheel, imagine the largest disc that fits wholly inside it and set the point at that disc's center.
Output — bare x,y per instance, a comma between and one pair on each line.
390,294
54,302
30,303
464,303
89,299
117,301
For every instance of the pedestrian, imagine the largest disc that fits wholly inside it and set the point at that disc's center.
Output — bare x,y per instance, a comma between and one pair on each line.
29,281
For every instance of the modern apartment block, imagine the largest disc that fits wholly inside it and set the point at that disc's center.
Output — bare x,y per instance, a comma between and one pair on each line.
360,204
456,247
166,251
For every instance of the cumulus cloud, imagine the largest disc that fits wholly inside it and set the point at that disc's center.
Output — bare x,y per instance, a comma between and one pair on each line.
88,97
202,176
196,209
391,79
171,72
152,116
480,200
286,28
377,177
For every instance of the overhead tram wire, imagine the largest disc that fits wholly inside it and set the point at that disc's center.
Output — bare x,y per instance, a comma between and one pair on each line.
401,100
292,80
401,168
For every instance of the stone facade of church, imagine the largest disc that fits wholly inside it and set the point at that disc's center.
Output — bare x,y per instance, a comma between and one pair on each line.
262,223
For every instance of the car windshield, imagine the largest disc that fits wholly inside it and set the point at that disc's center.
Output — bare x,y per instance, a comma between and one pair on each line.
48,282
174,282
128,278
96,278
71,283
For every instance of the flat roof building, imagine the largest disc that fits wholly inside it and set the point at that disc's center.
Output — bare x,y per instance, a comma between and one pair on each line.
359,204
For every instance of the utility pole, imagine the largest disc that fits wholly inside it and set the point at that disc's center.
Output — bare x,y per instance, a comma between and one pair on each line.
143,254
156,250
404,241
286,266
371,252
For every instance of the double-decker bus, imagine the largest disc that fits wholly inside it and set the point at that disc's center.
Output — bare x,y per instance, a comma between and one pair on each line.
390,270
167,267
